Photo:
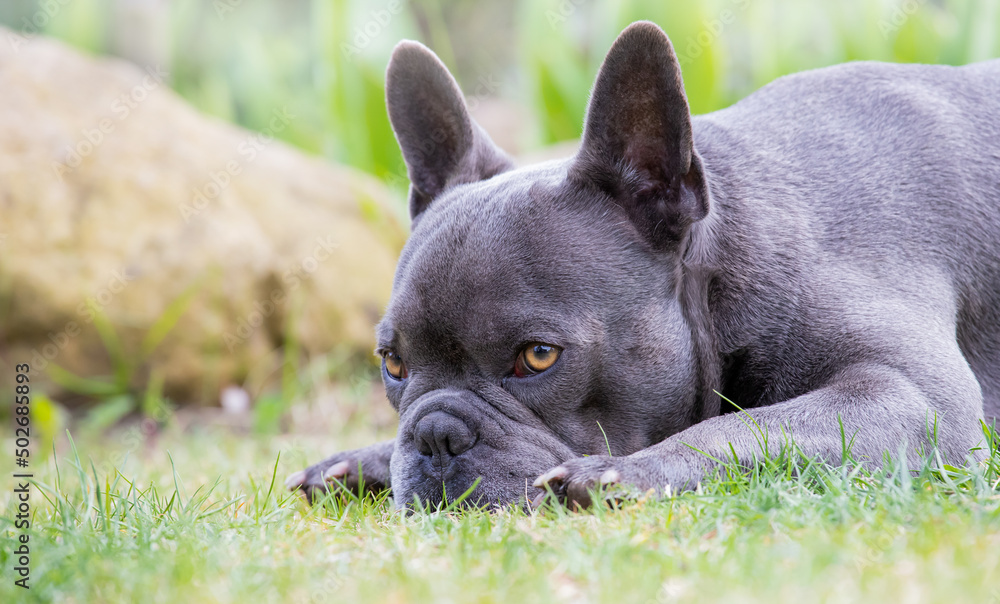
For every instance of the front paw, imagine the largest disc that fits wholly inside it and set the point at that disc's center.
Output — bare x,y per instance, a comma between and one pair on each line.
576,482
357,472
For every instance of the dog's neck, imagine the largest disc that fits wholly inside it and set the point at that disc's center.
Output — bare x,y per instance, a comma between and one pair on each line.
696,272
724,283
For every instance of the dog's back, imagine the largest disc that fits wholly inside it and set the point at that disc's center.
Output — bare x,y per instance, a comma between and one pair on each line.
888,176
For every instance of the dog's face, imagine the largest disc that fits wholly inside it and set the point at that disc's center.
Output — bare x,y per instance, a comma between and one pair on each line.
535,314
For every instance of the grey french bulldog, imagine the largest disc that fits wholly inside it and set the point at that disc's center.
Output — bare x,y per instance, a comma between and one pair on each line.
825,254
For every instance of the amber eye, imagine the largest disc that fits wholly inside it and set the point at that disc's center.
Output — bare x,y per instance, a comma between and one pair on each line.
535,358
394,365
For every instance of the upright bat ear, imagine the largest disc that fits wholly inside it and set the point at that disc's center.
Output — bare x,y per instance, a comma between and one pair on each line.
637,144
441,144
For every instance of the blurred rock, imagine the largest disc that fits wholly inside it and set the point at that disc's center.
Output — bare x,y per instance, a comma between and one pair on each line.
117,197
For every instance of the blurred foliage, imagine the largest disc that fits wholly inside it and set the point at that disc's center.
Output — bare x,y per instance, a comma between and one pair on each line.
324,60
729,48
133,387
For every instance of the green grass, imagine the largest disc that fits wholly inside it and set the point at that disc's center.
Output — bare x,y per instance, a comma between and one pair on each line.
209,522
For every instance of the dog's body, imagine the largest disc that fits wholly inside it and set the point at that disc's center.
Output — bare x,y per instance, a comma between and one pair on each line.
824,253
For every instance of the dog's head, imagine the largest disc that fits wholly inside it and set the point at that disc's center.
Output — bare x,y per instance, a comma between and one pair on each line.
535,312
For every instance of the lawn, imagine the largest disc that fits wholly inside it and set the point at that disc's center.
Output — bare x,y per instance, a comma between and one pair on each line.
195,512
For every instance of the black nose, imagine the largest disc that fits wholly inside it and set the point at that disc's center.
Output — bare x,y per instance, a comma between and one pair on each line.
443,436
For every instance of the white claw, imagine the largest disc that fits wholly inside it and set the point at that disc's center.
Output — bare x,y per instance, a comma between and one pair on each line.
559,472
337,470
295,480
610,476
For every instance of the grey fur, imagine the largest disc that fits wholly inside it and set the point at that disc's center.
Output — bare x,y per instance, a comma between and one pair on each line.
826,250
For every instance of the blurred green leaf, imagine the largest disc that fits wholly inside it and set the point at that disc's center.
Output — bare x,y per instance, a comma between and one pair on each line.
165,323
47,418
95,387
153,404
108,412
120,364
82,23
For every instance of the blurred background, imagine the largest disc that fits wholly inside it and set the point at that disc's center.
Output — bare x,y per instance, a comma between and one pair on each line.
201,201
